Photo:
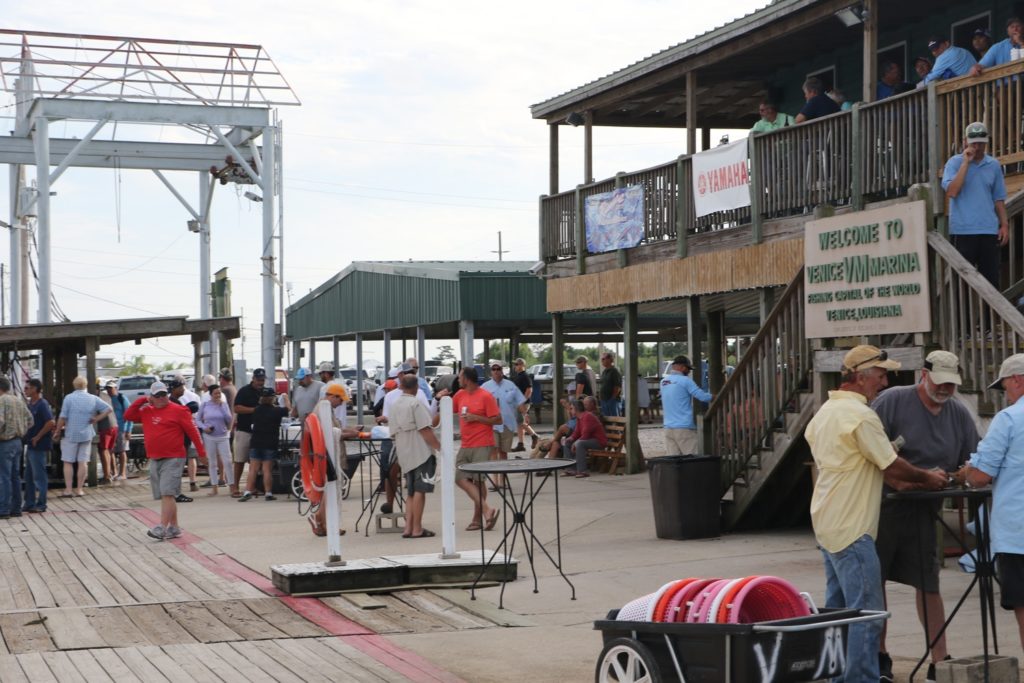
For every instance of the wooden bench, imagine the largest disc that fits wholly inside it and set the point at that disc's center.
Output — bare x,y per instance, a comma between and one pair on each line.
613,452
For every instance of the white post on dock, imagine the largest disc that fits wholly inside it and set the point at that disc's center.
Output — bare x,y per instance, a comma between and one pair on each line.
332,499
447,480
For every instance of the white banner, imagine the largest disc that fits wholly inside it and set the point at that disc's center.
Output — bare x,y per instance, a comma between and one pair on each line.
721,181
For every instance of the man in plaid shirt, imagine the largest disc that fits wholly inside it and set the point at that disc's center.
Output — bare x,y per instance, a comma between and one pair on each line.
15,419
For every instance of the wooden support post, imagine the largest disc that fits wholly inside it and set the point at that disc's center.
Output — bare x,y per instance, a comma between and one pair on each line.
765,303
630,372
870,50
856,159
557,380
716,348
312,355
694,338
684,196
936,159
552,158
387,351
513,348
691,112
90,363
705,139
197,359
588,147
581,234
756,190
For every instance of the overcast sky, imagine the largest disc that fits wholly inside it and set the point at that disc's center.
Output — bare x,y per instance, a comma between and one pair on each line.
414,141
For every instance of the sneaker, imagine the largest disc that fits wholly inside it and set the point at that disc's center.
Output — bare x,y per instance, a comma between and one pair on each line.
270,496
156,532
245,496
172,532
930,676
518,449
885,668
206,485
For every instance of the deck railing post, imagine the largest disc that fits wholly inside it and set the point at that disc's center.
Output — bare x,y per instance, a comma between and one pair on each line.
682,205
581,234
756,191
857,155
935,155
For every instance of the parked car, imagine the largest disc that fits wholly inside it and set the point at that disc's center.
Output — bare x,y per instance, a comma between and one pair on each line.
543,372
349,376
432,372
134,386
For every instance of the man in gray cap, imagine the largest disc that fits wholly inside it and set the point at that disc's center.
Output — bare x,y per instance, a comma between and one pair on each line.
306,393
851,452
935,431
999,460
973,182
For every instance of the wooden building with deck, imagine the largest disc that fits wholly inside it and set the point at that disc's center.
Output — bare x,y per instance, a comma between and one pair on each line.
877,154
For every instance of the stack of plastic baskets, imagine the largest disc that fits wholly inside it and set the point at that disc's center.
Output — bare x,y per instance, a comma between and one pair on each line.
747,600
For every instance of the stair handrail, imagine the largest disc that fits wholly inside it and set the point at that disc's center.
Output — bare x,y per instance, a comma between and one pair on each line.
767,377
971,318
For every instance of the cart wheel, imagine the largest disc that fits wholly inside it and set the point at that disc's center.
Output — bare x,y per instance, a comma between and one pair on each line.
624,660
297,489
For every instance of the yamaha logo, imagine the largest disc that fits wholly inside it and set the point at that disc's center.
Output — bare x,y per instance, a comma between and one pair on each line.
702,184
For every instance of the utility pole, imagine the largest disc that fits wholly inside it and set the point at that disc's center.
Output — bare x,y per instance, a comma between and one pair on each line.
500,251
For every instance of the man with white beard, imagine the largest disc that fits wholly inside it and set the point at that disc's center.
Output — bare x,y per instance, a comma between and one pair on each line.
937,432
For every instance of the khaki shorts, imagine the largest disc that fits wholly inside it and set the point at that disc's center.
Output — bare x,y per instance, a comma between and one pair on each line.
240,453
681,442
466,456
503,440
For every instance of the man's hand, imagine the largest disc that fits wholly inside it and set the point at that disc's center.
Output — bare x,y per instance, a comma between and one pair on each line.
935,480
1004,234
442,393
968,153
976,70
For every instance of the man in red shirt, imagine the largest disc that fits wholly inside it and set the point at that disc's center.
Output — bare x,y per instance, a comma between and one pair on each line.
164,426
478,413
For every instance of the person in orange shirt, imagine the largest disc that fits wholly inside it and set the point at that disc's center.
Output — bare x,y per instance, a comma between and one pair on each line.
478,413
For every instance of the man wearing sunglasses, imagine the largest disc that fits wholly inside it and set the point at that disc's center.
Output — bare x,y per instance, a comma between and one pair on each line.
973,181
851,452
936,431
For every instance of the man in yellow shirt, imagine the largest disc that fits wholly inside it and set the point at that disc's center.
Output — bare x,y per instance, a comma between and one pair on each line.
851,451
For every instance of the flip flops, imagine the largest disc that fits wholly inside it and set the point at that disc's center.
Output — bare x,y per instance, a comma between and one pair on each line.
182,498
492,519
473,526
426,533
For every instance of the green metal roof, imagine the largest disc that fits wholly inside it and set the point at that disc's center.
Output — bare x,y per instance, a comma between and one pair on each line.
369,297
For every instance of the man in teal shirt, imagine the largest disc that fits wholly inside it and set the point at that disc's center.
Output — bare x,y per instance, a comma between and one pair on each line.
771,119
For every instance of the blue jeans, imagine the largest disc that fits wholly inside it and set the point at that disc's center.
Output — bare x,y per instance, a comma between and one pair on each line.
36,479
611,408
853,579
10,476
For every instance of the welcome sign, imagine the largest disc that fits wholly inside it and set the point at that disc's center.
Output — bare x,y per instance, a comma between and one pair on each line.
866,273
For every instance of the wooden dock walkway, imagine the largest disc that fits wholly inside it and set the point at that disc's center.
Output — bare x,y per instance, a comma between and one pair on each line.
85,596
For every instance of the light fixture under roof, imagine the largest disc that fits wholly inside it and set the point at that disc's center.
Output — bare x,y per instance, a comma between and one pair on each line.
852,15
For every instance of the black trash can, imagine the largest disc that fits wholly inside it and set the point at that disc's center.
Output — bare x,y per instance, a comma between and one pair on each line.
686,494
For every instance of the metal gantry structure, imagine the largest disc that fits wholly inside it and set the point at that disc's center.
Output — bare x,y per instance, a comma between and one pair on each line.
121,94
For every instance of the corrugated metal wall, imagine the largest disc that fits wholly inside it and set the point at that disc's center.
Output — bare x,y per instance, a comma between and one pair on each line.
365,302
504,296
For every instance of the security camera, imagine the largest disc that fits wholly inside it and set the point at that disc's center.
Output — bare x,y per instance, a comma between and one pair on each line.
537,268
253,197
193,226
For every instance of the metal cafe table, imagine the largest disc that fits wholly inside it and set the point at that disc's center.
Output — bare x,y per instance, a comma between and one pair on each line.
984,574
518,512
370,449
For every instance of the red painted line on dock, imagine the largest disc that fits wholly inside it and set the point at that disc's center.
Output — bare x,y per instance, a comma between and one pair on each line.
395,658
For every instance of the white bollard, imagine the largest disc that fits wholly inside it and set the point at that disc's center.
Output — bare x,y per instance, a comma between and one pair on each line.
447,480
332,499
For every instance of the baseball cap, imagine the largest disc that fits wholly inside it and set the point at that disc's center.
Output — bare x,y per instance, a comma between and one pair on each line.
326,366
337,389
976,132
983,32
1014,365
404,368
267,391
259,373
935,41
174,382
581,359
226,373
390,384
682,360
209,380
392,373
496,366
157,388
943,367
864,357
301,373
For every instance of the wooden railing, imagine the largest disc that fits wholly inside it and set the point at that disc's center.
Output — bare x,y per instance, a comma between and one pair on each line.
895,143
971,317
767,378
558,225
806,165
993,97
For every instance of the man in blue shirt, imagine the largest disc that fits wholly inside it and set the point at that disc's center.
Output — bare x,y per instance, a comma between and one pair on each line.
510,401
38,444
977,208
818,104
677,394
999,461
950,61
1004,51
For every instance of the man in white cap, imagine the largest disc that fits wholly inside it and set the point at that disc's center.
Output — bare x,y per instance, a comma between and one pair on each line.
936,431
973,182
851,451
305,394
326,372
999,460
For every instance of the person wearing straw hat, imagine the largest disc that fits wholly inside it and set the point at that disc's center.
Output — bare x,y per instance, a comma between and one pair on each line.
973,181
935,431
851,451
999,461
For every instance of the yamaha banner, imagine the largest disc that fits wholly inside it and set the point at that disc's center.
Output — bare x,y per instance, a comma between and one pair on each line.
721,180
